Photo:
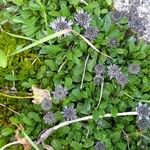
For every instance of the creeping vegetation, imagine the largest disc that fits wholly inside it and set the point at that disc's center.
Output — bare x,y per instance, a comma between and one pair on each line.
85,89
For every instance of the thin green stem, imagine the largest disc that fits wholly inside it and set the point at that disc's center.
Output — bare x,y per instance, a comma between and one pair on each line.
49,131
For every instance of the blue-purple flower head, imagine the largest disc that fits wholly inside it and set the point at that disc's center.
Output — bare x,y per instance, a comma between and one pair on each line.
143,119
143,110
91,33
134,68
83,18
99,69
122,79
60,24
60,92
100,146
143,123
49,118
46,104
113,71
69,113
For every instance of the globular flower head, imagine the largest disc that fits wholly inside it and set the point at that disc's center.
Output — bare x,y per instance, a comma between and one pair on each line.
100,146
49,118
143,123
122,79
69,113
118,15
60,92
113,42
99,69
83,18
134,68
143,110
60,24
46,104
98,79
91,33
113,71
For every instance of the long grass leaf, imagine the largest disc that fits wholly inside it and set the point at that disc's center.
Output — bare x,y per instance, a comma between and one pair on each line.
90,44
52,36
17,36
30,141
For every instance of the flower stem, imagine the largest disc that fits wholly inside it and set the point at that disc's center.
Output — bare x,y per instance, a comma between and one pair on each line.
49,131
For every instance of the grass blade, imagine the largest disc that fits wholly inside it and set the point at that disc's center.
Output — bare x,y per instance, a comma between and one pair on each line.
17,36
49,37
90,44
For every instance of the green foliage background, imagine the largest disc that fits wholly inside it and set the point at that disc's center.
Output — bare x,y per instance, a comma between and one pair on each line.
39,66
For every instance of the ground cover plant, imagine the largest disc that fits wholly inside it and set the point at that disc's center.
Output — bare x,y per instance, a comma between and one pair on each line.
73,76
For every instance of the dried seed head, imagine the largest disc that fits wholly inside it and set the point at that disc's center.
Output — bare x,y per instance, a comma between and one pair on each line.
60,92
49,118
143,110
46,105
69,113
113,71
60,24
100,146
83,18
91,33
143,123
99,69
122,79
134,68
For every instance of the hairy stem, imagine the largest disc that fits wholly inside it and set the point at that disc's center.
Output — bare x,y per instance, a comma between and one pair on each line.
49,131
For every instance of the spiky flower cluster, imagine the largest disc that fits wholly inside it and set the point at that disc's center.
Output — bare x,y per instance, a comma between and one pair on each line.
99,70
83,18
60,24
134,68
49,118
69,113
143,120
91,33
100,146
115,72
46,104
60,92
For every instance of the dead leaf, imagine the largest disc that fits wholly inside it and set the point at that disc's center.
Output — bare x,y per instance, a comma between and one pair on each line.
40,94
23,141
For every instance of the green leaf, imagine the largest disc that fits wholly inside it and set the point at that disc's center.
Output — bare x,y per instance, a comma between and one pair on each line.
3,59
18,2
34,116
109,2
56,144
76,145
27,121
88,143
114,111
7,131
